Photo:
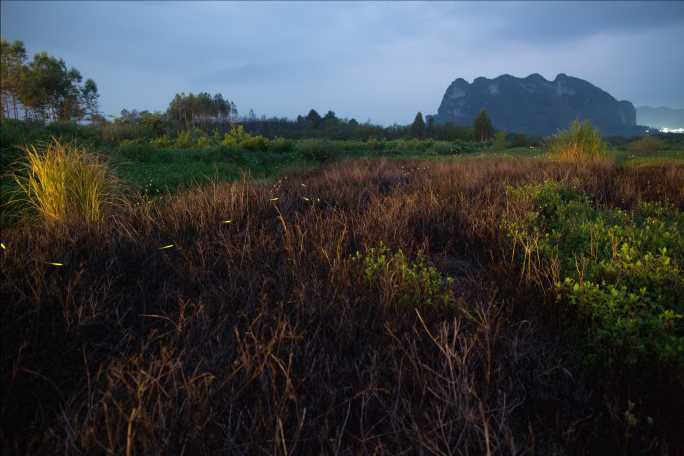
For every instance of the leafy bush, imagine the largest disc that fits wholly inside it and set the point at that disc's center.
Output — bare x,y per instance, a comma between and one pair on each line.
620,271
280,145
500,140
375,144
142,152
64,182
443,148
401,281
647,144
580,142
318,150
163,141
254,143
520,140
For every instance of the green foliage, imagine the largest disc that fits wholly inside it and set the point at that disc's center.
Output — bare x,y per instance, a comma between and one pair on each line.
190,111
280,145
620,271
418,126
580,142
45,88
482,127
520,140
403,282
500,141
15,134
647,144
318,150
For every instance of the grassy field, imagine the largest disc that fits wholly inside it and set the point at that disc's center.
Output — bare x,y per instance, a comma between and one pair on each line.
368,306
165,170
336,298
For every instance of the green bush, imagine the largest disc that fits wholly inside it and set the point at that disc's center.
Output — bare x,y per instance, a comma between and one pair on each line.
520,140
254,143
403,282
620,271
319,150
443,148
580,142
647,144
137,151
375,144
280,145
500,141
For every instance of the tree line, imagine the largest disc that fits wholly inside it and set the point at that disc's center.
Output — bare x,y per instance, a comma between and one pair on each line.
215,114
43,88
46,89
202,109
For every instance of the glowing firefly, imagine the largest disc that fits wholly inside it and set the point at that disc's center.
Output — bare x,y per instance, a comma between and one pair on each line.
168,246
225,222
54,263
4,247
274,199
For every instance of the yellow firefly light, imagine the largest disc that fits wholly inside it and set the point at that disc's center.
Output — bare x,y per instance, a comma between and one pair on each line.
54,263
4,247
274,199
168,246
225,222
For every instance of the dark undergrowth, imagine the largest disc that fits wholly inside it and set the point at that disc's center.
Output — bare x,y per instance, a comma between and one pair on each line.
370,307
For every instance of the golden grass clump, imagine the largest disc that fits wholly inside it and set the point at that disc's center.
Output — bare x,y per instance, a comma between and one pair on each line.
64,182
580,142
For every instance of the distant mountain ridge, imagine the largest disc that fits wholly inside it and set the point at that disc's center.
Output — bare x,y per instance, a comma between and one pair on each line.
660,117
535,106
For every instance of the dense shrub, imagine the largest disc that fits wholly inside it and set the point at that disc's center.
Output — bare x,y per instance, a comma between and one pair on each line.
620,271
500,140
280,145
318,150
580,142
647,144
403,282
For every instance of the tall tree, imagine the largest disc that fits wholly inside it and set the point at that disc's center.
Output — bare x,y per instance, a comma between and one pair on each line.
12,58
314,118
89,97
418,126
482,126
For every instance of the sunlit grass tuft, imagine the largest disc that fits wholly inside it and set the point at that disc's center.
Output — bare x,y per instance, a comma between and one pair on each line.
64,182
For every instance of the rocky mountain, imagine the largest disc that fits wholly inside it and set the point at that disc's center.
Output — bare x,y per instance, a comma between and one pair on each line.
660,117
535,106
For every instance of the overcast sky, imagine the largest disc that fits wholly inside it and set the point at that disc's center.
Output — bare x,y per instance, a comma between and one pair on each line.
377,61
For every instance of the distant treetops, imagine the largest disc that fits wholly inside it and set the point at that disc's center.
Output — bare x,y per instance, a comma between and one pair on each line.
43,88
201,110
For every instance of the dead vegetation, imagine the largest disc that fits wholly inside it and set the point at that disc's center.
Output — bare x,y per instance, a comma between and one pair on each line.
257,336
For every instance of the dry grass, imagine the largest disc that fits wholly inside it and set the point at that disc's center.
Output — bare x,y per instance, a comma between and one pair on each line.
257,337
63,182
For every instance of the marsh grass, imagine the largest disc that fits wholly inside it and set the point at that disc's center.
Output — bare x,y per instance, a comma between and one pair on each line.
579,143
63,182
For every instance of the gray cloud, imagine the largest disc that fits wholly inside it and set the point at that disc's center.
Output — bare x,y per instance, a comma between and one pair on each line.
382,61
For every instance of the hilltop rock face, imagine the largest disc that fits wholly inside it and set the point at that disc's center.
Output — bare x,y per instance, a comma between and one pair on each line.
535,106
